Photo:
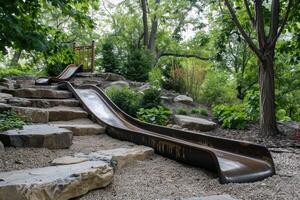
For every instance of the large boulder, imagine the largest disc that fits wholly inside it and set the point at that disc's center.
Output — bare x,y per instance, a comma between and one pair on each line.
194,123
16,101
119,157
183,99
80,127
35,115
112,77
46,136
63,113
118,84
40,93
4,97
55,182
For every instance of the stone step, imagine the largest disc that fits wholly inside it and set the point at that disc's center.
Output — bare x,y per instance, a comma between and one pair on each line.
81,127
194,123
55,182
39,93
39,136
119,157
44,115
42,103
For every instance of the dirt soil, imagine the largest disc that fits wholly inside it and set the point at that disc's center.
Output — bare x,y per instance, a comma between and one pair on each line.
160,178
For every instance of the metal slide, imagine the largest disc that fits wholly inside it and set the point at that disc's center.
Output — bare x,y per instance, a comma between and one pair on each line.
65,75
233,161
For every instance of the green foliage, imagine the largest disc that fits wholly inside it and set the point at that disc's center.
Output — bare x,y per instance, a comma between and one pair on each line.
126,99
200,111
151,98
217,89
157,115
231,116
110,61
15,71
139,64
155,77
281,115
252,104
10,120
181,111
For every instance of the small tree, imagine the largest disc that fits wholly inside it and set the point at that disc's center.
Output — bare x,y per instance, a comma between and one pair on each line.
265,52
110,62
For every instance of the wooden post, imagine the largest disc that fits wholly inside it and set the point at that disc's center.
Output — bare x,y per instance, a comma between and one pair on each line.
93,56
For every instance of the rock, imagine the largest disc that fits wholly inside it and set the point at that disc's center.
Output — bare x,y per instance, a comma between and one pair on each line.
40,93
120,157
118,84
68,160
16,101
81,127
144,87
47,103
4,107
55,182
63,113
183,99
46,136
112,77
194,123
5,96
1,147
35,115
24,83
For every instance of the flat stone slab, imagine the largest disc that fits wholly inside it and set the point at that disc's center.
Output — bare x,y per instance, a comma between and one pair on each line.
46,136
4,97
194,123
183,99
213,197
42,103
44,115
119,157
55,182
81,127
40,93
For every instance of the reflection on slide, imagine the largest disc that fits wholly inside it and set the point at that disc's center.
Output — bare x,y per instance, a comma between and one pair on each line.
233,161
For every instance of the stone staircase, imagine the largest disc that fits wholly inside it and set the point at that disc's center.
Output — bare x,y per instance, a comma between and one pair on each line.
53,118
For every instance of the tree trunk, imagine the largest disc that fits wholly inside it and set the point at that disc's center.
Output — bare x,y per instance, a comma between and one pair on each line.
268,125
145,22
16,58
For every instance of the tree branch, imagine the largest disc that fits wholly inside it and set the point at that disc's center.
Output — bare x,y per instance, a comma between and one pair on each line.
242,31
252,20
186,56
259,22
274,22
145,21
286,16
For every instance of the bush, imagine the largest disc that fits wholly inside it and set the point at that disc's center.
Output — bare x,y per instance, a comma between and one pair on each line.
200,111
139,64
252,104
10,120
110,61
155,77
126,99
216,89
158,115
15,71
181,111
151,98
281,115
231,116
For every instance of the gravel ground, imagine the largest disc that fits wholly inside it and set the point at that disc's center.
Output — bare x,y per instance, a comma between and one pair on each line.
160,178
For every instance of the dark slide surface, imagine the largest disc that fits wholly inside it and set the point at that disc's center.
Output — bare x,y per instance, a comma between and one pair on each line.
233,161
65,75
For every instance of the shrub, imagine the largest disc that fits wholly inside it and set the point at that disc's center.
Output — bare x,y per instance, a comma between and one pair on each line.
217,89
10,120
231,116
252,104
138,65
151,98
155,77
126,99
281,115
110,61
199,111
181,111
158,115
15,71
